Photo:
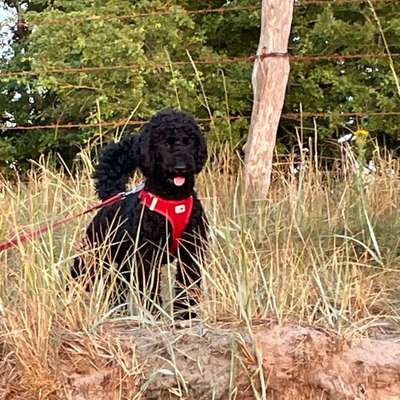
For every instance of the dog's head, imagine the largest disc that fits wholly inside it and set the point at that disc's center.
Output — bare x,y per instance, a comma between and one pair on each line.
172,147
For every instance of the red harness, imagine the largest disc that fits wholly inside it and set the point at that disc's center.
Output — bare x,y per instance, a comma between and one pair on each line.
178,213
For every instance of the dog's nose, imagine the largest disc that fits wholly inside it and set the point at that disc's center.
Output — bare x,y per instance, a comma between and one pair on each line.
180,168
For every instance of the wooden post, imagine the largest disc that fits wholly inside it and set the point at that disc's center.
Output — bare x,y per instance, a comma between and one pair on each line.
270,77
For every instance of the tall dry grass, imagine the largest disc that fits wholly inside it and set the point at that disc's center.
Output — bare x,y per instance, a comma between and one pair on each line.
323,249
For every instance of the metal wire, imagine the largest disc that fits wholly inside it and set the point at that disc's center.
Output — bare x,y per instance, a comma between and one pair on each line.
219,10
228,60
127,122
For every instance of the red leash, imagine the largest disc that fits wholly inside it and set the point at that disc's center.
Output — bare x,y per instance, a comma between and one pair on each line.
31,235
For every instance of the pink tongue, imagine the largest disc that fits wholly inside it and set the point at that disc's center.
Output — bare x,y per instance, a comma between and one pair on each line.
179,180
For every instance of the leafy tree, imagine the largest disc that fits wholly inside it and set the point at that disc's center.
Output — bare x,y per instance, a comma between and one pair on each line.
337,86
322,86
23,101
145,43
148,43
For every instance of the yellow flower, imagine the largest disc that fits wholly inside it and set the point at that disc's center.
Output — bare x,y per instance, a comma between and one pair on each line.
361,134
361,137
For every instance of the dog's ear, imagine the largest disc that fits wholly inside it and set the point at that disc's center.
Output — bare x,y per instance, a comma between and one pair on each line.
144,152
201,152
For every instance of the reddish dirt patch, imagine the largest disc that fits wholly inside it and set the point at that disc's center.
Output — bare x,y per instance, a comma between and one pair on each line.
202,362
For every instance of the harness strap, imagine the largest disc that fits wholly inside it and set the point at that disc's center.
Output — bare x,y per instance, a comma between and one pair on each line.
177,212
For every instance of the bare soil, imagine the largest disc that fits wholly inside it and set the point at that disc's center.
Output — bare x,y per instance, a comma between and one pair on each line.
224,361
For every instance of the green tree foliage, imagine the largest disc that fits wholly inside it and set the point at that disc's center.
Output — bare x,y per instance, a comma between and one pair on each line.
335,86
339,86
22,101
149,43
145,43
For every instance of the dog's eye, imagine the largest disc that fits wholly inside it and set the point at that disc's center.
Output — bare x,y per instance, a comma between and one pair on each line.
169,143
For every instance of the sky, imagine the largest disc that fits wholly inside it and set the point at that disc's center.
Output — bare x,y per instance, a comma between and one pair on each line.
5,33
5,37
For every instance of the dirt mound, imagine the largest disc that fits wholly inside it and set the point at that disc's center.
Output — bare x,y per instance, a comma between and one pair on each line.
219,362
301,361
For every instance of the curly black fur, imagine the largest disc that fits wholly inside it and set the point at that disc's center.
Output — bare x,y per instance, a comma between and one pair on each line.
169,145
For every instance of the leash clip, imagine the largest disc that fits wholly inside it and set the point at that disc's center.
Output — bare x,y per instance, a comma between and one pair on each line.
136,189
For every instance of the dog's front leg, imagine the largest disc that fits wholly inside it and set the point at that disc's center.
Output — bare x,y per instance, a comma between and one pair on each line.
188,281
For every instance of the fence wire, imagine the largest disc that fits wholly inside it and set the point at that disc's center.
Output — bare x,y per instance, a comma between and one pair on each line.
180,63
205,11
127,122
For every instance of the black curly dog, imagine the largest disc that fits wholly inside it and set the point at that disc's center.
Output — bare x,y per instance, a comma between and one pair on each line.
169,151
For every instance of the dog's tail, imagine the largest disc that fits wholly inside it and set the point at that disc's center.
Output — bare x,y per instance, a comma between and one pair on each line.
116,164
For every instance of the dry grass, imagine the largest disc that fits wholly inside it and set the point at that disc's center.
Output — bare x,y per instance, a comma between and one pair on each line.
323,249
